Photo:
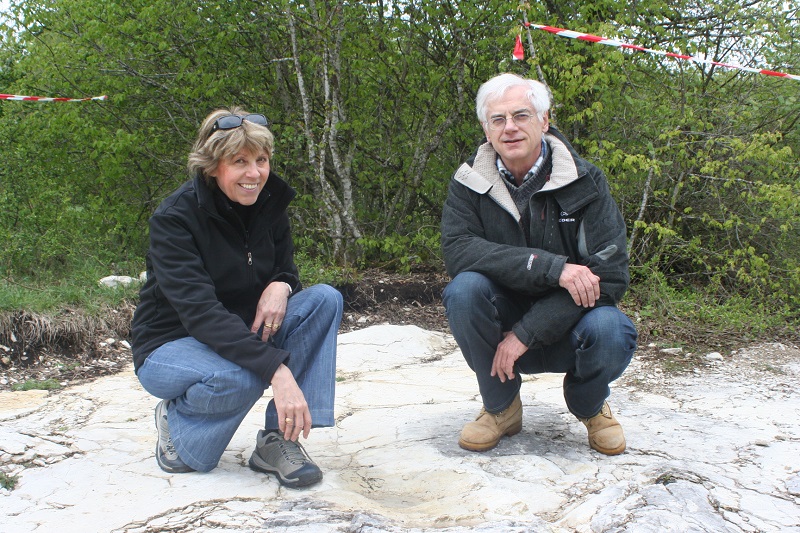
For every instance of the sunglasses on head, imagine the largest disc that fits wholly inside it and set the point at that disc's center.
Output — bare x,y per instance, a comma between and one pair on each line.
230,122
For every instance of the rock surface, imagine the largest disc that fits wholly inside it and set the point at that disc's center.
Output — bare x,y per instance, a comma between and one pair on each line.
714,449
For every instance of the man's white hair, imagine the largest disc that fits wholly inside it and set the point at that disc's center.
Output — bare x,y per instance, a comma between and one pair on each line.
538,94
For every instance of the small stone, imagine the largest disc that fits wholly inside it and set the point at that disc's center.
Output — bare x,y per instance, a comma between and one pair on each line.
116,281
714,356
672,351
793,485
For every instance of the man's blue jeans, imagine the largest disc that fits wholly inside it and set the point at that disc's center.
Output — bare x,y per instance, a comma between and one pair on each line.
592,355
211,395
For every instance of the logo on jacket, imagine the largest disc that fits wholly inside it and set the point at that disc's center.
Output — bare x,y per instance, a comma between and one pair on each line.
531,259
564,217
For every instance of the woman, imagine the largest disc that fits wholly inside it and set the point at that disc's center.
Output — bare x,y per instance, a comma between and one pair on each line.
222,315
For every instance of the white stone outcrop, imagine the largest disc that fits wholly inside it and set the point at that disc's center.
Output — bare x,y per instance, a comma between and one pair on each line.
714,450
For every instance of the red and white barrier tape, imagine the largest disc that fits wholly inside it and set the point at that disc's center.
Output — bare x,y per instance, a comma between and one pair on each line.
23,98
612,42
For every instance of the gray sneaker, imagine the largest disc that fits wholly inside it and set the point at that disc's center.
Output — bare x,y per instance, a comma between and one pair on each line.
166,456
284,458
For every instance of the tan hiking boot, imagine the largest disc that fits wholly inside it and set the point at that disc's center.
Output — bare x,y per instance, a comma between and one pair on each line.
485,432
605,433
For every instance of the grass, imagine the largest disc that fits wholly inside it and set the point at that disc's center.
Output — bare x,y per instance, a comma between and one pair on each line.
313,271
695,319
66,309
43,296
8,482
34,384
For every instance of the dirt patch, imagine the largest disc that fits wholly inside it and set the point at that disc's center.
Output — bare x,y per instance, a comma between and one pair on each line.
381,297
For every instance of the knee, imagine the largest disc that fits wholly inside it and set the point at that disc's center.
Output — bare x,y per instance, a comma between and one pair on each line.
328,299
234,389
610,327
466,290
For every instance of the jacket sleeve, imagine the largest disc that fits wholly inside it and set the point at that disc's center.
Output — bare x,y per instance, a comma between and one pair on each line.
466,246
602,244
189,289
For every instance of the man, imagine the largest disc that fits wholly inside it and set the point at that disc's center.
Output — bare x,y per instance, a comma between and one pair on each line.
536,248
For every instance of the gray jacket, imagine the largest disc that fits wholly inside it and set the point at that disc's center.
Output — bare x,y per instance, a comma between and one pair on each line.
573,219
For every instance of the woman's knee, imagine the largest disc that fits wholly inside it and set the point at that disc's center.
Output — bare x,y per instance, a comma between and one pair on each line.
231,390
328,300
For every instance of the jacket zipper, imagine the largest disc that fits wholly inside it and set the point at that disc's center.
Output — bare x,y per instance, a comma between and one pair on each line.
250,269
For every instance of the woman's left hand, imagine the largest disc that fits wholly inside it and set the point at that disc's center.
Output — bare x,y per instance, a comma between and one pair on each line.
271,309
294,416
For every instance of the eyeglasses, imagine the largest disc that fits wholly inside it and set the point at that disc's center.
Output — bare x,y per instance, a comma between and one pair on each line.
499,123
230,122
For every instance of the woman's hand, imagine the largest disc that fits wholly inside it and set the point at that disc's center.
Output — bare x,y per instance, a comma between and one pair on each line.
271,309
293,414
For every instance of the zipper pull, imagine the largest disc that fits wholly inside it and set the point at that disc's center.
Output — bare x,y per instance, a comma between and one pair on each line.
249,259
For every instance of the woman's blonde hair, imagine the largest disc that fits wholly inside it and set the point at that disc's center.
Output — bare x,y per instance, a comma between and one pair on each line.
211,148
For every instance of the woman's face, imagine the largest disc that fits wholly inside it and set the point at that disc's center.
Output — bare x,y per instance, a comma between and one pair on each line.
243,176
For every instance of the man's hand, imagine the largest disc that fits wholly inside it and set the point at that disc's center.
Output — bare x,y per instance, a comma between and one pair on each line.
271,309
508,351
293,413
582,284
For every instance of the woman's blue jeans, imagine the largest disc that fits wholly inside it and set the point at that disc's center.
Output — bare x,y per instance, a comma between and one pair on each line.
210,396
595,353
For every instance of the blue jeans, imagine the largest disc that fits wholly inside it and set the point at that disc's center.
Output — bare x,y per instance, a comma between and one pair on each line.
595,353
210,396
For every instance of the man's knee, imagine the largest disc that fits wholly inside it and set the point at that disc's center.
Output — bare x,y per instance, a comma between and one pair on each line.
610,327
465,289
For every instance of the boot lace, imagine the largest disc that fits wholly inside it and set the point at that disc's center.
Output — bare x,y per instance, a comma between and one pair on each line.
292,452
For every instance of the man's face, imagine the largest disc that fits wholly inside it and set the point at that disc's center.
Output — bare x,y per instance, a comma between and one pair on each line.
519,146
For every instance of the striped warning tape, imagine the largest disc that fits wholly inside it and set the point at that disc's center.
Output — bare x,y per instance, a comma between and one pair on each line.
612,42
23,98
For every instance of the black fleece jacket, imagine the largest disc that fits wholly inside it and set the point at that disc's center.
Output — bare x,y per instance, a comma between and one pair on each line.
206,272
